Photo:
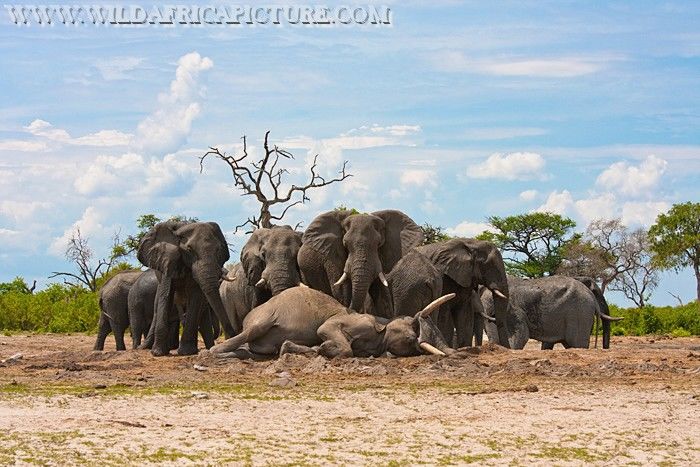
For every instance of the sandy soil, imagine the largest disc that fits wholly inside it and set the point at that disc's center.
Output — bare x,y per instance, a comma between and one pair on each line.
637,404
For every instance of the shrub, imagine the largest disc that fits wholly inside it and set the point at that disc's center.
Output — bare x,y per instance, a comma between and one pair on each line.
679,321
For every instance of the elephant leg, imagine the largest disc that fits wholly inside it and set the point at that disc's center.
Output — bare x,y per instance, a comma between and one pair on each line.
206,329
174,334
119,336
335,342
103,330
162,317
150,336
547,345
255,331
445,324
196,307
291,347
478,330
136,324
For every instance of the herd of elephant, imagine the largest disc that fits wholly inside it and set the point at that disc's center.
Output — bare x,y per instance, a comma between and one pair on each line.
351,285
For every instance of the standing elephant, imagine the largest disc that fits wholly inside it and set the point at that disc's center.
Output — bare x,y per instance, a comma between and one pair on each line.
348,255
466,264
140,304
238,297
303,320
188,258
554,309
114,312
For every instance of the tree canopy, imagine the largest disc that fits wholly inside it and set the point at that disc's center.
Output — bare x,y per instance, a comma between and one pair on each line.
532,244
675,239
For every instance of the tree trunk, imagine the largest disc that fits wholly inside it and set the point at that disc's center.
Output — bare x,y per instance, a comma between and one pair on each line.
697,280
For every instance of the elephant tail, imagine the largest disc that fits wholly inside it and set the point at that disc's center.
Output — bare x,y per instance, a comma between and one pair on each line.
603,311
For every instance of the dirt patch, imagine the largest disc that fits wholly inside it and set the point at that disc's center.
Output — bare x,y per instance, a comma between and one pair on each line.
61,403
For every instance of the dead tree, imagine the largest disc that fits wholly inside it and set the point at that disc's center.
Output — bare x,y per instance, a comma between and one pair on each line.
263,178
79,253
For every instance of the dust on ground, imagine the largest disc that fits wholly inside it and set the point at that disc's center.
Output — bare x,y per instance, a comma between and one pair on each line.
636,404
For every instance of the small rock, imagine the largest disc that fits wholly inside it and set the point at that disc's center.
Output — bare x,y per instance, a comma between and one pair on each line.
531,388
200,368
100,386
284,382
200,395
13,358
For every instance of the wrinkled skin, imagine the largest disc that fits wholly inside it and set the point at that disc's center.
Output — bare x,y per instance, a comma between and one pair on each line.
188,258
358,247
465,265
304,320
140,303
269,261
238,298
114,312
555,309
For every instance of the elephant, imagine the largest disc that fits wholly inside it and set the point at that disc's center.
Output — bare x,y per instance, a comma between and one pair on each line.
304,320
347,255
114,313
188,258
140,305
554,309
465,264
238,298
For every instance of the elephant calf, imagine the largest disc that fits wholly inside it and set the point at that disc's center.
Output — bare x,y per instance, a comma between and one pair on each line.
114,312
302,320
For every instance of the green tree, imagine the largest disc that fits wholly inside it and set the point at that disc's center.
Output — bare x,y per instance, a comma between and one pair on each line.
433,234
532,244
675,239
18,285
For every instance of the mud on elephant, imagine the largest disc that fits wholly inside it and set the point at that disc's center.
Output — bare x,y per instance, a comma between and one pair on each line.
188,259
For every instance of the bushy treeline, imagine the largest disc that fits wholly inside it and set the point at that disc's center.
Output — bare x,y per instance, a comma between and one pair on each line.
679,321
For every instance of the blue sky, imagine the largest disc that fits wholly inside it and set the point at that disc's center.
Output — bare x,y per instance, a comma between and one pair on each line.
458,111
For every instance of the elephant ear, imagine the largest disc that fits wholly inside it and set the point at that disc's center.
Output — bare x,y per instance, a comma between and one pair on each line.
325,233
251,255
453,258
400,235
160,250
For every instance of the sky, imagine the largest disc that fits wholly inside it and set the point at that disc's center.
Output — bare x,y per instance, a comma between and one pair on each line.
455,112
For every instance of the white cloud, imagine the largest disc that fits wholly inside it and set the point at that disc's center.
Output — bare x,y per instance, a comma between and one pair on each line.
396,130
468,229
560,67
419,177
90,223
528,195
21,211
487,134
631,180
513,166
558,202
23,146
642,213
110,175
166,129
168,177
44,129
603,206
118,67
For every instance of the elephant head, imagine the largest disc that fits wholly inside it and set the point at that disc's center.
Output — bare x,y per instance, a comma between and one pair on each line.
189,258
269,259
361,249
470,263
414,335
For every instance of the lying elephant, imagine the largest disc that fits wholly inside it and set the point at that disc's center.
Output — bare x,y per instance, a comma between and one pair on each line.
303,320
554,309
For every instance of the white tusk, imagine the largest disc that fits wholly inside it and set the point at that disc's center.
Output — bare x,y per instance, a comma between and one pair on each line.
382,278
490,318
261,282
342,279
301,284
498,293
228,279
430,349
435,304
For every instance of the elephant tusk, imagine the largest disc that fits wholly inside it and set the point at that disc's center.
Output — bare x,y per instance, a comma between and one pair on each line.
431,350
261,282
342,279
382,278
435,304
610,318
498,293
228,279
301,284
487,317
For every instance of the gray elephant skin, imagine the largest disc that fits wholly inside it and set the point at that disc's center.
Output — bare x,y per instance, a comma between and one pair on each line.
188,259
238,297
554,309
114,312
458,266
141,305
303,320
347,255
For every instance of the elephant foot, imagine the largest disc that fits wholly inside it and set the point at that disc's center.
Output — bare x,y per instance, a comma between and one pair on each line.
186,349
157,352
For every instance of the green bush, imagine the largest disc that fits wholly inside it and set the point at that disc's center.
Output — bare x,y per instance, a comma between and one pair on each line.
679,321
58,308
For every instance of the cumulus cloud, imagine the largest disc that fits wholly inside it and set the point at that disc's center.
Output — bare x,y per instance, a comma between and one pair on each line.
528,195
23,146
44,129
468,229
558,202
89,224
642,213
21,211
418,177
633,180
166,129
513,166
118,68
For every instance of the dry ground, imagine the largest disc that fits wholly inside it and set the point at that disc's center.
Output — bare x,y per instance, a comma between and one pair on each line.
637,404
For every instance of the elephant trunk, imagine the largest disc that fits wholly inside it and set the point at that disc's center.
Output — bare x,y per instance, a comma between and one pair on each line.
500,306
280,279
207,277
362,273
